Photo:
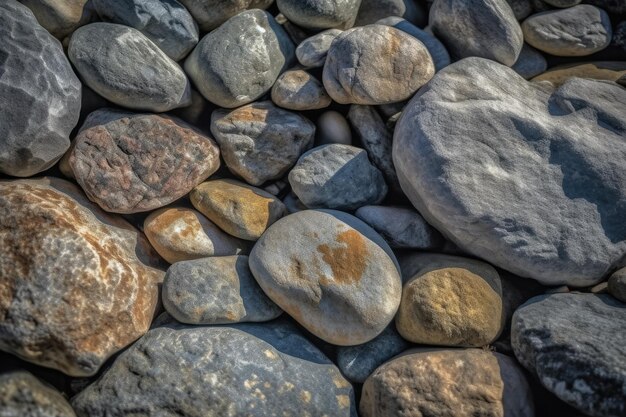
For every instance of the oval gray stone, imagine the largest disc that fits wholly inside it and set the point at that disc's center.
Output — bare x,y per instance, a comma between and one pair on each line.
312,51
299,90
23,395
320,14
211,13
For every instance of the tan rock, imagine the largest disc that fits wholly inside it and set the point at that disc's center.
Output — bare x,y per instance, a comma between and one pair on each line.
238,209
76,284
61,18
602,70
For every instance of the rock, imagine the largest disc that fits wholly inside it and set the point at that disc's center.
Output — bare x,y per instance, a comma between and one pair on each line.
299,90
60,18
619,36
239,62
129,163
438,52
261,142
562,3
78,284
166,22
576,31
217,290
521,8
293,204
312,51
22,395
125,67
334,275
320,14
182,234
358,362
482,28
401,227
530,63
622,80
598,70
237,208
617,285
555,189
376,64
332,127
212,13
446,382
197,113
611,6
45,100
562,338
337,177
190,371
373,10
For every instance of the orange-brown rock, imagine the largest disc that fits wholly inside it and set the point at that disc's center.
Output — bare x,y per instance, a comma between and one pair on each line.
76,284
601,70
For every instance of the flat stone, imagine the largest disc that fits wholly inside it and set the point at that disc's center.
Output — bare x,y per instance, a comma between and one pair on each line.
60,18
125,67
320,14
299,90
617,285
78,284
216,290
182,234
338,177
446,382
482,28
129,163
553,171
212,13
332,127
576,345
376,64
242,369
333,274
261,142
598,70
373,10
239,62
23,395
530,63
312,51
44,101
576,31
165,22
238,209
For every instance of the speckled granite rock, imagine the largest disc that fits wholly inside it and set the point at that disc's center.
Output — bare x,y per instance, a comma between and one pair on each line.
23,395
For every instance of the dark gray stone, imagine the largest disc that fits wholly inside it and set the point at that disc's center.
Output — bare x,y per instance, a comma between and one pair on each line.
320,14
575,344
40,94
239,62
619,36
617,284
521,8
530,62
242,369
533,169
562,3
374,10
211,13
23,395
312,51
332,127
611,6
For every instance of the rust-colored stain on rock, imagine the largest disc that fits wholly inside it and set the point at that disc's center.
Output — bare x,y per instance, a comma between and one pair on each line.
347,261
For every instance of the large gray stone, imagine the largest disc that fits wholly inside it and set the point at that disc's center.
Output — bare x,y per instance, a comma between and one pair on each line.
40,94
312,51
23,395
239,62
165,22
373,10
320,14
125,67
233,370
482,28
211,13
533,170
576,345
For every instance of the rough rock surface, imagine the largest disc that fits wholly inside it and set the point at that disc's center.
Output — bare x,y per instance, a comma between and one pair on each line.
320,14
129,163
77,284
211,13
44,101
373,10
125,67
261,142
23,395
335,275
551,160
239,62
60,18
576,345
530,62
312,51
242,369
597,70
617,285
299,90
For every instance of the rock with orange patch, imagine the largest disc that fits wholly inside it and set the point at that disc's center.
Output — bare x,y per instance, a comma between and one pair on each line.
331,272
76,284
450,301
182,234
237,208
447,382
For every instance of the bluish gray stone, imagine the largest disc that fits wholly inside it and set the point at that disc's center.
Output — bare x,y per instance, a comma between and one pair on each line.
312,51
373,10
211,13
320,14
23,395
530,62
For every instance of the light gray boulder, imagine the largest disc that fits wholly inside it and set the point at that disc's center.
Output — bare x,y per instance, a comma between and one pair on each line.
320,14
312,51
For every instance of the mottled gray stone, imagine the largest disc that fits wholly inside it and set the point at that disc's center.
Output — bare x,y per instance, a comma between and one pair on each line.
530,63
482,28
125,67
338,177
617,284
211,13
40,92
165,22
576,345
60,18
521,8
23,395
576,31
299,90
376,64
611,6
320,14
332,127
533,169
260,142
232,370
374,10
239,62
312,51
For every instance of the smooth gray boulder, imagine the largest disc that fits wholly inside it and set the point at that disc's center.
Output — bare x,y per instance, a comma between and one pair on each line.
575,344
533,169
23,395
40,92
530,63
125,67
482,28
211,13
374,10
231,370
320,14
312,51
165,22
239,62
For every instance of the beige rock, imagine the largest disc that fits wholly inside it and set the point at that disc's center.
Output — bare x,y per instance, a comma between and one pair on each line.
61,18
600,70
